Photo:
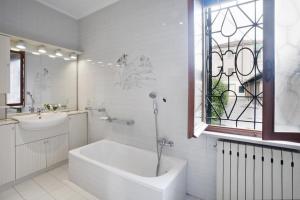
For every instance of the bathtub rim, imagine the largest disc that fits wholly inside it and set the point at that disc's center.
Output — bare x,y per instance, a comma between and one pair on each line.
157,183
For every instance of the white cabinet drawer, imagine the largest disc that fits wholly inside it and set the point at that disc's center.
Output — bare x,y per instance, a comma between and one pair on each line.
30,158
35,156
57,149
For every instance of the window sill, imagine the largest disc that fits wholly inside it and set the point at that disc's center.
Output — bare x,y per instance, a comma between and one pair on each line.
253,140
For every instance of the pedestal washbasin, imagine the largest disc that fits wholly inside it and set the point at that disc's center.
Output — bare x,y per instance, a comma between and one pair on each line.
43,121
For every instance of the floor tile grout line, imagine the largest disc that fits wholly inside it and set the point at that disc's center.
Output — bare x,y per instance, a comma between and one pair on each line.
20,195
40,186
45,190
67,185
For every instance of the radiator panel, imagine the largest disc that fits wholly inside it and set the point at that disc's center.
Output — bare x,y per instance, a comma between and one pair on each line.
220,159
258,174
267,174
241,172
248,171
276,181
227,174
296,173
234,171
287,180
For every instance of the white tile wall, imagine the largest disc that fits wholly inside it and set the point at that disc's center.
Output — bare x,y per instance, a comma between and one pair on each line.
150,28
2,103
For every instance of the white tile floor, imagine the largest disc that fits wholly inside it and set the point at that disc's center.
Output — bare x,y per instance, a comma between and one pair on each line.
52,185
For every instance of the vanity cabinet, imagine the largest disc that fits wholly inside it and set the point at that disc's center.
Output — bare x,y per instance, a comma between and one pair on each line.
41,154
24,152
78,136
7,154
30,158
4,64
56,150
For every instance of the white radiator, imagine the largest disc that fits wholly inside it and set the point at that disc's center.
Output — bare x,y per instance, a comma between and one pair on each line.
246,171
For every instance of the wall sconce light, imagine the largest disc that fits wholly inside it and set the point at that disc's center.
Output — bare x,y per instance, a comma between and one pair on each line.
35,53
14,49
73,56
58,53
42,49
51,56
21,45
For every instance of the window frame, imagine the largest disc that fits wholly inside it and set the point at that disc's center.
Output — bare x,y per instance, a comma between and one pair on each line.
268,132
191,87
22,81
191,69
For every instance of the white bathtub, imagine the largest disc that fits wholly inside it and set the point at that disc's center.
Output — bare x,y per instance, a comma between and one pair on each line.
113,171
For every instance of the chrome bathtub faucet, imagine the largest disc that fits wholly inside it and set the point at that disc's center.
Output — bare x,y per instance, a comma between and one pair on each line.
165,142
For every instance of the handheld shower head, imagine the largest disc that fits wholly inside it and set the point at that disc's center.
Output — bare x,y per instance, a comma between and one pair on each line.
153,95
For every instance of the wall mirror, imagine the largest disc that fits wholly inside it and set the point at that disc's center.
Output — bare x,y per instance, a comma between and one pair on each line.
38,80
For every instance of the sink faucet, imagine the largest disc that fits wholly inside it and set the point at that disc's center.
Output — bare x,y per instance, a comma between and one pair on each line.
31,108
39,112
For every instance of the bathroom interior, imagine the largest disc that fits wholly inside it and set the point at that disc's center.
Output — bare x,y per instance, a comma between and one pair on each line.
151,100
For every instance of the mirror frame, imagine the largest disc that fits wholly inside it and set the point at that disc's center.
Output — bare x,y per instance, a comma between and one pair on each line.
22,81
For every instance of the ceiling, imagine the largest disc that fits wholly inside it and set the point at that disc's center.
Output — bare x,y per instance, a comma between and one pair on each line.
77,9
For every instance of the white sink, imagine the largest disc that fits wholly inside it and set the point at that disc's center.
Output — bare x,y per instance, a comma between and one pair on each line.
41,122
